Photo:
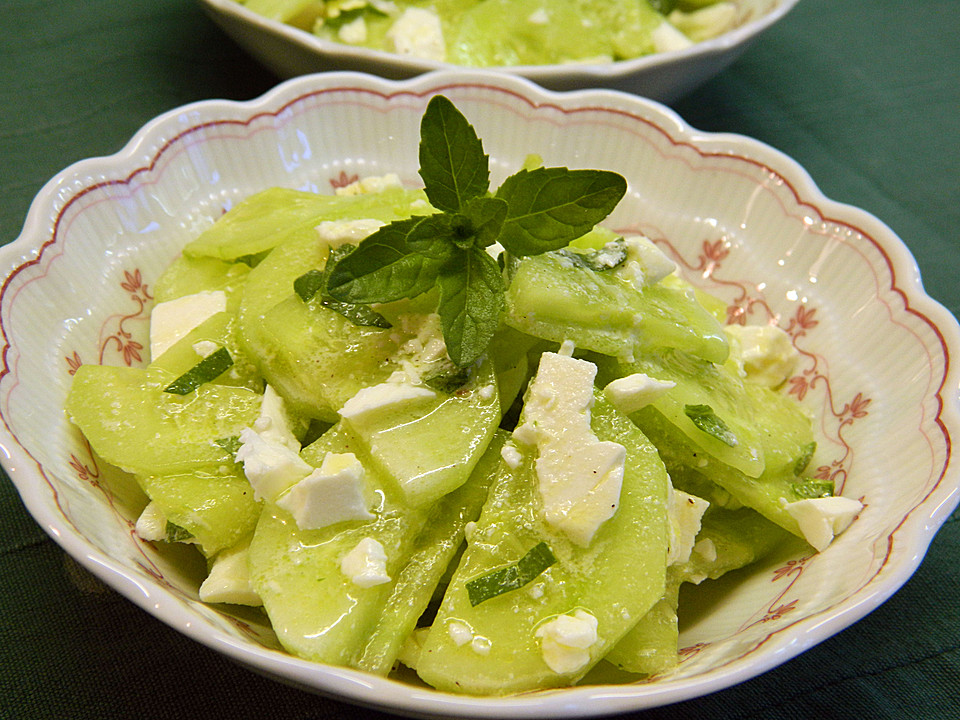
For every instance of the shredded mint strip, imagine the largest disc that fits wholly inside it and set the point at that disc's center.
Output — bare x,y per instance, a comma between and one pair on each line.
708,421
534,211
806,455
210,368
512,577
813,489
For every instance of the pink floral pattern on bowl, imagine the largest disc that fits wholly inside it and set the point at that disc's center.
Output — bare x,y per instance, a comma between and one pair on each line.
743,222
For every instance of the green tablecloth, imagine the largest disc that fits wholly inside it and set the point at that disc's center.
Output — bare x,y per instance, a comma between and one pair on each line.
865,95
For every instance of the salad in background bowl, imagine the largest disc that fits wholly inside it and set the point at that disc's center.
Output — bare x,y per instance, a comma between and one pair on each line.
737,219
660,49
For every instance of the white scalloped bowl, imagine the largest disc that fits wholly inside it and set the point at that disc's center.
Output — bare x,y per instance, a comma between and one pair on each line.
290,51
878,362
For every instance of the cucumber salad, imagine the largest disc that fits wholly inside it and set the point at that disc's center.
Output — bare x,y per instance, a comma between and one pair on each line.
462,432
483,33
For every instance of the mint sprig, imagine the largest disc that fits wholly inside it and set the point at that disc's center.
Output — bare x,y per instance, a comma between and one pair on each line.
532,212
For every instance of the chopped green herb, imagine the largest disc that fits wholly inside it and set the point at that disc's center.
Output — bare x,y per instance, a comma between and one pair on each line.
534,211
230,444
512,577
806,456
813,489
175,533
210,368
708,421
447,379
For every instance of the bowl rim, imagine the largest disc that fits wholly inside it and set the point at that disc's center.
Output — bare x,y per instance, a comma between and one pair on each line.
605,72
27,474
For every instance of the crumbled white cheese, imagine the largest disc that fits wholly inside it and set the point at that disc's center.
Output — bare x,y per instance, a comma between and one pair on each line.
274,423
331,494
646,264
822,519
579,475
205,348
629,394
418,32
566,641
767,354
152,523
460,633
706,549
370,184
375,397
353,32
684,512
366,564
270,467
338,232
511,455
229,579
410,651
172,320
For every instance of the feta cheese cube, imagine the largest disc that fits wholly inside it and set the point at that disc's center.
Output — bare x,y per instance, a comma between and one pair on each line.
629,394
366,564
172,320
229,579
566,641
338,232
579,476
152,523
375,397
331,494
646,264
418,32
684,513
822,519
767,354
271,468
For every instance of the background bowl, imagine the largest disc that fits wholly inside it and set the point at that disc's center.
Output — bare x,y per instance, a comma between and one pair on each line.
741,219
289,51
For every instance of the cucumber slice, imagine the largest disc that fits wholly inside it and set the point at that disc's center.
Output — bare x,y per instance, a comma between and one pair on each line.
314,357
188,275
553,298
650,647
277,215
617,578
701,384
435,549
218,331
317,611
429,447
131,423
214,505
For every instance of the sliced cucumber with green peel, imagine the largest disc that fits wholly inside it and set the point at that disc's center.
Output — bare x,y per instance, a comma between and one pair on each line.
437,546
133,424
551,297
317,611
278,215
616,579
214,505
187,275
429,446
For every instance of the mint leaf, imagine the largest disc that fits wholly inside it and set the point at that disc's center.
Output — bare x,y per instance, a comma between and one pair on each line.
438,236
383,268
314,282
487,216
550,207
709,422
471,299
453,165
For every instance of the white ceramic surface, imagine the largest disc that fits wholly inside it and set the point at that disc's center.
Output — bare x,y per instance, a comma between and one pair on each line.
290,51
878,364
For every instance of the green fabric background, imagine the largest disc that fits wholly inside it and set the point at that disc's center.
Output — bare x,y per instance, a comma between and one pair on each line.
865,95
